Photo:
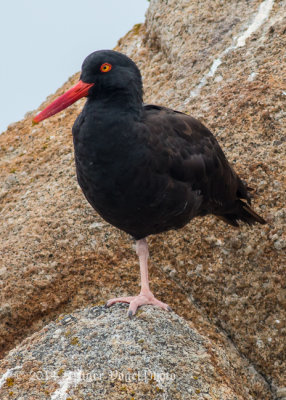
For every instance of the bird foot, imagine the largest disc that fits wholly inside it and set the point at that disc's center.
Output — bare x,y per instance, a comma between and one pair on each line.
146,298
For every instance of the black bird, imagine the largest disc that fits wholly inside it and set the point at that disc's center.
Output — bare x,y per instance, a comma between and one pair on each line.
146,169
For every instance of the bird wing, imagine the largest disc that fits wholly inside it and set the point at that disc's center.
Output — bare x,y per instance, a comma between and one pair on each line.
188,152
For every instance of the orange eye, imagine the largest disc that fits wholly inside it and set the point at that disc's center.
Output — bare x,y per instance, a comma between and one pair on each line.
106,67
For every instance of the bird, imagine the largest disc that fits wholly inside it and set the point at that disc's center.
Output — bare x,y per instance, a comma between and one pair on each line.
144,168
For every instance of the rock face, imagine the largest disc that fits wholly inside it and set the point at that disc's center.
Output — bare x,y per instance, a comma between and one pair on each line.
98,353
224,63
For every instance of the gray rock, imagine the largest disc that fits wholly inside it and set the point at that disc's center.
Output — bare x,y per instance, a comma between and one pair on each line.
99,353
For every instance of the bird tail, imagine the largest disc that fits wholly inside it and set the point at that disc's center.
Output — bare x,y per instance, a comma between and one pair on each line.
242,212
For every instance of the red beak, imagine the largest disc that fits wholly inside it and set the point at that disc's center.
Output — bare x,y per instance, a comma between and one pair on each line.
65,100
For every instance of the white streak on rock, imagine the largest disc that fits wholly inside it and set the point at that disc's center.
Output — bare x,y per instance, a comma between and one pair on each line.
262,14
70,378
7,374
252,76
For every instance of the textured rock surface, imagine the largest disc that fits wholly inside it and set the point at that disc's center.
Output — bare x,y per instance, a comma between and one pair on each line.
57,254
100,354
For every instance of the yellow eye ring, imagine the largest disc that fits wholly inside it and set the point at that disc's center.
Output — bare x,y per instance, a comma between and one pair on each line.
106,67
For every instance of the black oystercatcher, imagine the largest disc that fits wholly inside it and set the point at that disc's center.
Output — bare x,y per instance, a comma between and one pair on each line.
144,168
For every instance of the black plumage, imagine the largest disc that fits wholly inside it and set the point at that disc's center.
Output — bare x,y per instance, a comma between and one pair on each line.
144,168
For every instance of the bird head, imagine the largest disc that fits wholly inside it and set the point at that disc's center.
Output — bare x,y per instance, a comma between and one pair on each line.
106,75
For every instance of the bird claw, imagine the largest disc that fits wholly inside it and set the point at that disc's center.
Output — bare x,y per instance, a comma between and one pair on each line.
138,301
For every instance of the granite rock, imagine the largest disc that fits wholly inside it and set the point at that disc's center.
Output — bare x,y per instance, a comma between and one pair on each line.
98,353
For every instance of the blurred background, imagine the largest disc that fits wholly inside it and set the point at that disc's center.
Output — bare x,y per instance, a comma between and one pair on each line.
43,43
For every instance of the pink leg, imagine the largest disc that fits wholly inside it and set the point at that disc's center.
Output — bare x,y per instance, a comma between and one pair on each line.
145,296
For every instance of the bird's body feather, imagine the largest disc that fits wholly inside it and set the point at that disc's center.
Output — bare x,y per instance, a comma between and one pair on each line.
152,173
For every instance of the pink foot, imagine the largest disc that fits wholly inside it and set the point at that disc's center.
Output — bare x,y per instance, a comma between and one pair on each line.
137,301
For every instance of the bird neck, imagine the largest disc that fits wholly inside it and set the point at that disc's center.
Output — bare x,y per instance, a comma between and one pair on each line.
125,99
110,122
